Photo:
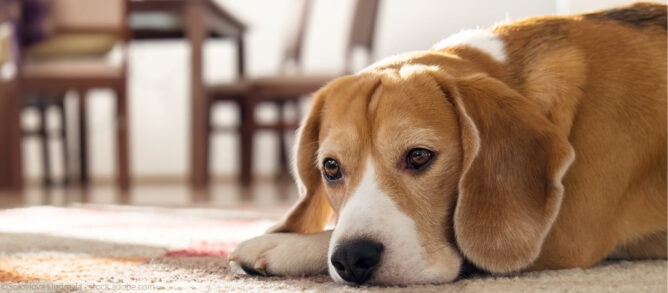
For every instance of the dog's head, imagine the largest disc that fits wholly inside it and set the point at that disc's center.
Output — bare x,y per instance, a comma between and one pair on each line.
422,170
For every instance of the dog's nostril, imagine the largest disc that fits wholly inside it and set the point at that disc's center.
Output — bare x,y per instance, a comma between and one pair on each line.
356,261
338,266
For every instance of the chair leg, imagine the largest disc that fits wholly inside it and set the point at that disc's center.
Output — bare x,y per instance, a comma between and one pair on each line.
282,149
44,139
83,139
122,138
246,147
60,104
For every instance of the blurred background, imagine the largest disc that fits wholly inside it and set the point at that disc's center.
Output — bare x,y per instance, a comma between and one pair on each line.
191,102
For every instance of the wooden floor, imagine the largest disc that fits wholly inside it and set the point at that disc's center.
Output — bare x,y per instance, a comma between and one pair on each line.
268,193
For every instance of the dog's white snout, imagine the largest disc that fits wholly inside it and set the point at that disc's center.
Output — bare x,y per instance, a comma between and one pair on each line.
371,214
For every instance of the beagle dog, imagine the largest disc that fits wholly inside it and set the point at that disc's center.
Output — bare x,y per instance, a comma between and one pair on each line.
539,144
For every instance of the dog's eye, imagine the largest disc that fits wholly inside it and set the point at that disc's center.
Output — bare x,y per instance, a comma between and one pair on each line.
418,158
331,170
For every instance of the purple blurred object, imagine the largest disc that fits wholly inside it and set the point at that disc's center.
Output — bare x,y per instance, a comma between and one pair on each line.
35,21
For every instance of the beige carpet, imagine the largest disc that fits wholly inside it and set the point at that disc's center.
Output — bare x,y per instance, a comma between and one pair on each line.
145,249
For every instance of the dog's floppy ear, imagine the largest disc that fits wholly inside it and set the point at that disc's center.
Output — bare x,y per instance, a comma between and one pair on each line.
510,189
312,210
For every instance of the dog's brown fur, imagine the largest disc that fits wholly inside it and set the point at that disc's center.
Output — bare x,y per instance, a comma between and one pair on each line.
592,85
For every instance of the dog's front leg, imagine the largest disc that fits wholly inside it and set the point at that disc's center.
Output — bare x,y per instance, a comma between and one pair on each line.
283,254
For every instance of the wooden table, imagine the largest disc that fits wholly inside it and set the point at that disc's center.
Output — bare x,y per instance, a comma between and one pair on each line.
200,19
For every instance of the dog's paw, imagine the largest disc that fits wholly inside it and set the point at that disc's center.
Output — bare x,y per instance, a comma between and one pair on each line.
282,254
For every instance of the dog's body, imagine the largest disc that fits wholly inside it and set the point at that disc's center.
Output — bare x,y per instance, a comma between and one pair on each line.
540,144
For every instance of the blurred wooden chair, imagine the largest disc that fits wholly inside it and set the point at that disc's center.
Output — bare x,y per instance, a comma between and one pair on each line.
42,103
85,51
286,88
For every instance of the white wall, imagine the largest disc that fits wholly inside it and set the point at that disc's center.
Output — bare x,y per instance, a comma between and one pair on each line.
159,102
578,6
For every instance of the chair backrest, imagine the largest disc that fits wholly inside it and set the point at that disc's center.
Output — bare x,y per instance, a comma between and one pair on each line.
295,34
362,31
9,41
6,41
90,15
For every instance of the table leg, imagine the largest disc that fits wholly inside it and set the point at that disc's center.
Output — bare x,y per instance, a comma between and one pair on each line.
11,172
247,108
196,34
122,128
83,137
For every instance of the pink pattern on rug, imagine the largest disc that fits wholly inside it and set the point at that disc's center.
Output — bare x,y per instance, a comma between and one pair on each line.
203,248
157,224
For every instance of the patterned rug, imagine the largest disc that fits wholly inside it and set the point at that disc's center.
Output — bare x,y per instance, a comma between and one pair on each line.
147,249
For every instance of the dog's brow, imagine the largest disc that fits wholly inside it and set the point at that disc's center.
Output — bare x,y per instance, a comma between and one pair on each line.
320,154
410,136
340,145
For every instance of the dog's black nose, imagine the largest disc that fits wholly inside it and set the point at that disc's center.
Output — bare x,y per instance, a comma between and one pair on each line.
355,261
